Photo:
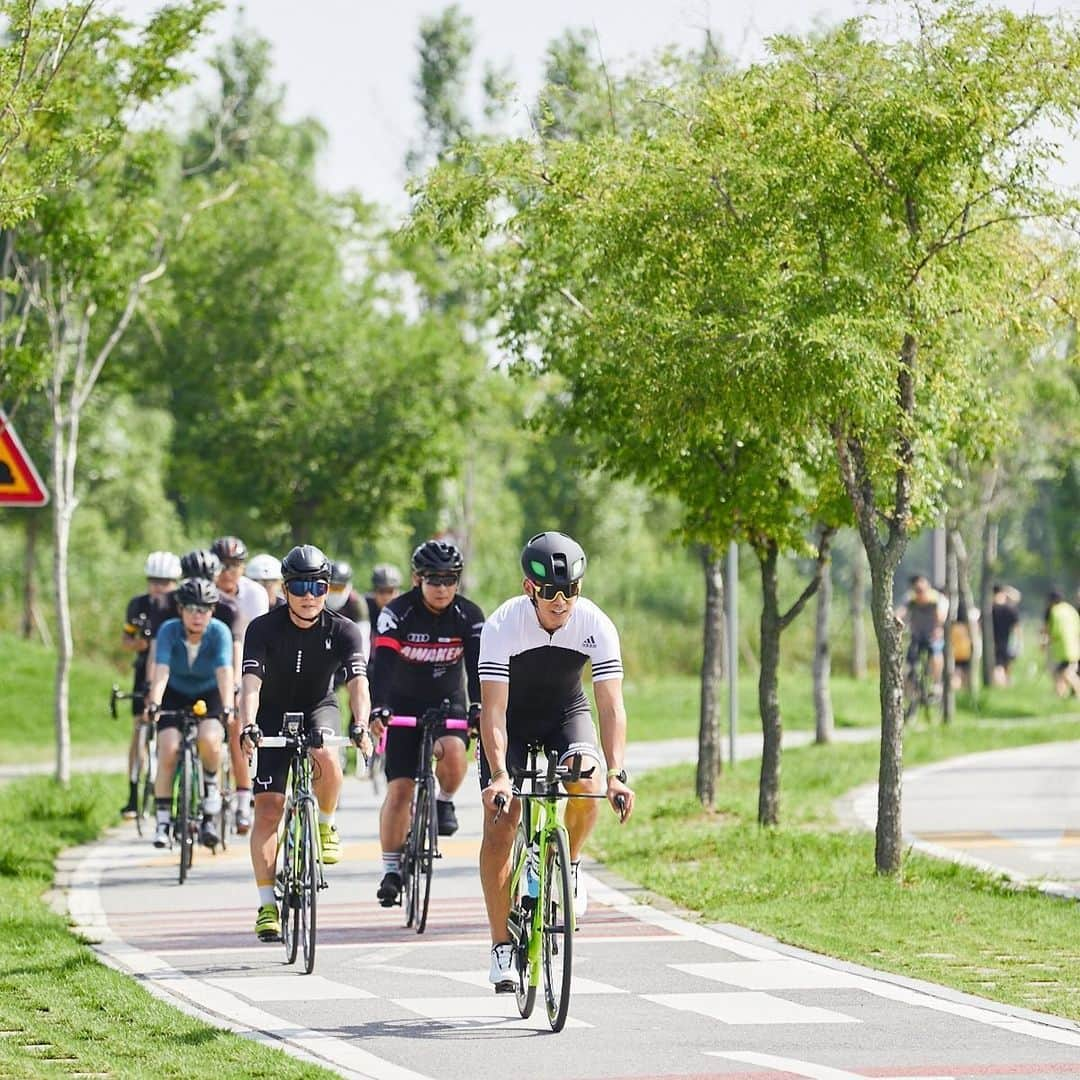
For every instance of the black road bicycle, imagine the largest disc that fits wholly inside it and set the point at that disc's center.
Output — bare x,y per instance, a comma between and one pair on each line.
422,843
144,772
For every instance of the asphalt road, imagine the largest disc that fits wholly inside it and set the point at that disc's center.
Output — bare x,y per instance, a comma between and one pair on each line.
655,994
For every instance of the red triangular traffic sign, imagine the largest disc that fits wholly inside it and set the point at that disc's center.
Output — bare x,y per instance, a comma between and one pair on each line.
20,484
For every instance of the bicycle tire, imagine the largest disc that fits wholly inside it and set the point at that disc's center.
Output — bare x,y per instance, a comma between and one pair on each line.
225,813
557,927
408,862
144,782
521,924
308,882
290,910
423,854
183,812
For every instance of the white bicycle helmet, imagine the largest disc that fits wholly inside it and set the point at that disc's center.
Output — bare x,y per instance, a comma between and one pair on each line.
162,564
264,568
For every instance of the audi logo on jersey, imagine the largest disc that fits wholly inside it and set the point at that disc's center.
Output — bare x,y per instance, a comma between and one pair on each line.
446,651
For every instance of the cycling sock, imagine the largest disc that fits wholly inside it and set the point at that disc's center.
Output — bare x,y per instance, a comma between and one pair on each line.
266,893
441,796
164,810
391,862
243,799
325,818
133,792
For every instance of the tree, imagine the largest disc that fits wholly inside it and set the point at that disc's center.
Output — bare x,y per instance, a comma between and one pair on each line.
84,261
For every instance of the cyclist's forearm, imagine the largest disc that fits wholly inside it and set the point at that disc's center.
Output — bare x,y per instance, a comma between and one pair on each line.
493,738
224,678
359,700
250,689
158,682
612,715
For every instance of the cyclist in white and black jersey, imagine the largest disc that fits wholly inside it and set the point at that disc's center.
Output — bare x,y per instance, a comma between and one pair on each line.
532,652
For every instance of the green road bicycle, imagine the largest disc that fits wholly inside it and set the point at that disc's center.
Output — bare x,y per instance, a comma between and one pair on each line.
300,868
542,920
187,788
144,773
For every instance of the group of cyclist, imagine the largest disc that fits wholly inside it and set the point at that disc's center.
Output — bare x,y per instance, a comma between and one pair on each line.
294,630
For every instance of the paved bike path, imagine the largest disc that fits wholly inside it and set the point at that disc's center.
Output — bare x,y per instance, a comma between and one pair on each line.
655,994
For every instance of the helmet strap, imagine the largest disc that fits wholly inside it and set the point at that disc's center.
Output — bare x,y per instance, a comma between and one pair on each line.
296,614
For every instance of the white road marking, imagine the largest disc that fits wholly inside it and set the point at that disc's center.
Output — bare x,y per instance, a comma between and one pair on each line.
198,997
479,978
800,1068
284,987
750,1008
774,975
492,1010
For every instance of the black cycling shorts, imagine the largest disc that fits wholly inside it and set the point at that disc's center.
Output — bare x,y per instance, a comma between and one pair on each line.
173,699
272,772
572,735
403,750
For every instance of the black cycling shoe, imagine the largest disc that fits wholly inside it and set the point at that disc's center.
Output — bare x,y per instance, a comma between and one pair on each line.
447,818
389,892
129,810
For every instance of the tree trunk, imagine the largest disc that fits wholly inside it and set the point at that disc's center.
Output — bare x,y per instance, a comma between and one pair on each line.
30,573
768,696
948,691
888,849
986,596
858,607
468,521
823,710
64,454
709,756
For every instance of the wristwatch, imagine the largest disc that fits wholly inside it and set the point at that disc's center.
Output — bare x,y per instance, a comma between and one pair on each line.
617,774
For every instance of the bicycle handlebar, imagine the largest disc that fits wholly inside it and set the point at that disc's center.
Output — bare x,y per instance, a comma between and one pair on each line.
277,742
450,724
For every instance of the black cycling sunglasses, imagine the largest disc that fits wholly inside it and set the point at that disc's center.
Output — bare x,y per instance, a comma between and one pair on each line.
307,587
552,589
441,579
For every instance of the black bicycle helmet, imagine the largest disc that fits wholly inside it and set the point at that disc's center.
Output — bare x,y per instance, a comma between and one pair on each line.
553,558
385,576
200,564
305,561
340,573
229,547
437,557
196,590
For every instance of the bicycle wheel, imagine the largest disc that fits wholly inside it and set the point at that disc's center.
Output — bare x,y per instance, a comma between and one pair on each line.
144,781
290,908
521,923
225,813
423,835
308,881
557,944
184,820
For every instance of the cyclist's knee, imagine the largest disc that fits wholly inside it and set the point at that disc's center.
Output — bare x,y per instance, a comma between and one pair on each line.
268,809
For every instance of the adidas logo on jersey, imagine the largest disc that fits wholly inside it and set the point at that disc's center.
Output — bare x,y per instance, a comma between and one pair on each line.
589,642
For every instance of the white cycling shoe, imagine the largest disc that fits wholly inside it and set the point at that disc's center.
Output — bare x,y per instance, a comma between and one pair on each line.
502,974
161,835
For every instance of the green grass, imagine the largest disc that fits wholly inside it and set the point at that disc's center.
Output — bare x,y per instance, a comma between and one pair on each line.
26,704
666,706
812,884
54,993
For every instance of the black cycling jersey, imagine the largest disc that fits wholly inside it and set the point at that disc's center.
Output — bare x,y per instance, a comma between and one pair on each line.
373,609
420,658
297,666
144,618
544,668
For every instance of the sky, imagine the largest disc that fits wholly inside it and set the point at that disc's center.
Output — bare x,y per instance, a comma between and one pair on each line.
351,63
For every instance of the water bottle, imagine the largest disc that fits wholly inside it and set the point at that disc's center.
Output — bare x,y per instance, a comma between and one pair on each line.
532,871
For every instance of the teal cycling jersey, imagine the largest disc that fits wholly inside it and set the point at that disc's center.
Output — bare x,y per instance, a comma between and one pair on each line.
215,651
